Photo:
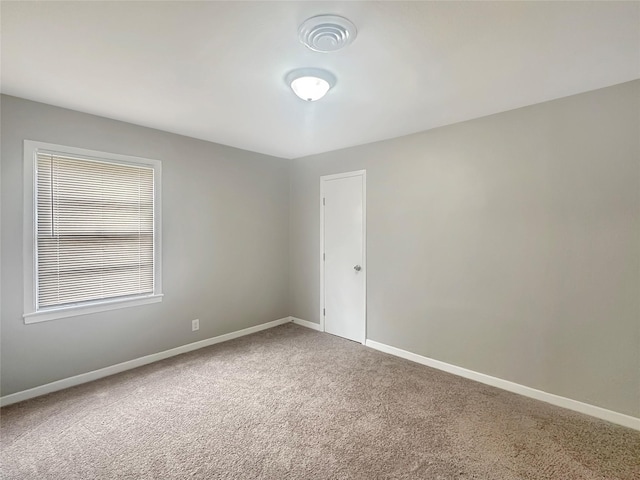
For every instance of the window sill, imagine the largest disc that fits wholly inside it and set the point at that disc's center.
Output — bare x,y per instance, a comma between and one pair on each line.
74,310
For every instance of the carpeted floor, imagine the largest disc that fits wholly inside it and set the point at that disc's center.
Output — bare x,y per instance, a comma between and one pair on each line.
292,403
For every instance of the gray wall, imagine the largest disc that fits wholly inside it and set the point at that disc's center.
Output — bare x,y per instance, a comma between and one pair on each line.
225,247
509,245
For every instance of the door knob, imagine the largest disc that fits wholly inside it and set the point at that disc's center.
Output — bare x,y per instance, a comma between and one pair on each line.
357,268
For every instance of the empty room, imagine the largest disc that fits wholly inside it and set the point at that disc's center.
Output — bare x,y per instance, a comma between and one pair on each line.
320,240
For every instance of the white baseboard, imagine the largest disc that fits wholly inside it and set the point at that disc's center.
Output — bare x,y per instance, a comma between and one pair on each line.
598,412
136,362
306,323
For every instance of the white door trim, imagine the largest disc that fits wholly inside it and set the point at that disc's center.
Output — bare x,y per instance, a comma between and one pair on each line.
323,179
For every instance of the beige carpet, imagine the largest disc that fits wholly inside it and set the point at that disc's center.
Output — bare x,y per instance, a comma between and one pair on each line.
291,403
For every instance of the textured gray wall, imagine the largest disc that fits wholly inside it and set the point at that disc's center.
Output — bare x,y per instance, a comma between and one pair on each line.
509,245
225,247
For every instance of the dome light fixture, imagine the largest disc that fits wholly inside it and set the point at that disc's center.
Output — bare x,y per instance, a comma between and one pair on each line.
310,84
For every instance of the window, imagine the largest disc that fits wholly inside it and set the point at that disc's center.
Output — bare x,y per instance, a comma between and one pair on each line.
93,228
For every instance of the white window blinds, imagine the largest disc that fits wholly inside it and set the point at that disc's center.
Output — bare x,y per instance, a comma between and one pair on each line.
94,230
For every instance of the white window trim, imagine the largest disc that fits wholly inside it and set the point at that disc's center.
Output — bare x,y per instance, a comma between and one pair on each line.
31,313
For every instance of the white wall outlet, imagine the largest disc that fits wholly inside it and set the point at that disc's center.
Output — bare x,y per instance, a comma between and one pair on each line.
195,325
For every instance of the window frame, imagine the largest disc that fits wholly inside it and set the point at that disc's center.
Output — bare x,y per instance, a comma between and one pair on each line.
33,314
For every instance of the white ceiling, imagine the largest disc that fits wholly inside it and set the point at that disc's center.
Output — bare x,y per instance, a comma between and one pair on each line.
215,70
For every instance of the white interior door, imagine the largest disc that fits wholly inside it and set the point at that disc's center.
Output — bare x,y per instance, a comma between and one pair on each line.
343,255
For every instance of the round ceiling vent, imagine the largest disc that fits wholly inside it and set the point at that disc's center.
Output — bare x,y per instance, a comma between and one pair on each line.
327,33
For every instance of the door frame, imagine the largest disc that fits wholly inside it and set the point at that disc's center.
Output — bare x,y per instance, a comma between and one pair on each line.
327,178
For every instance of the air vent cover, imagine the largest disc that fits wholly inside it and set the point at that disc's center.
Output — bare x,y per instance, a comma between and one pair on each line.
327,33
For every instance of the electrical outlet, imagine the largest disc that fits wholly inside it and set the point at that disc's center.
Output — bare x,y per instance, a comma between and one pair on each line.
195,325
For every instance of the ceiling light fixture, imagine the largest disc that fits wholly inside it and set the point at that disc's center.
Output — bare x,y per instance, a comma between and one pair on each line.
327,33
310,84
